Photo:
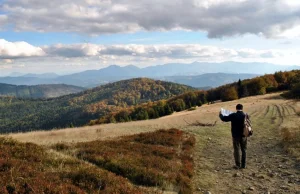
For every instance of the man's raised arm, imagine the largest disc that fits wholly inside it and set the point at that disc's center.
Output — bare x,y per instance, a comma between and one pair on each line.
225,118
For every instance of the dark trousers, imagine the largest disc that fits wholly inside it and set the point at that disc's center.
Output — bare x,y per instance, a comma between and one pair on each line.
240,144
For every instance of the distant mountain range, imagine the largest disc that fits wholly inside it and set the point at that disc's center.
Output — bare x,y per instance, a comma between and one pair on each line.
209,79
42,76
39,91
207,74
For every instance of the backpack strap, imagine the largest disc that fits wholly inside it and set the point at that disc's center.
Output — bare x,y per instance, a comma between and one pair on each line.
248,119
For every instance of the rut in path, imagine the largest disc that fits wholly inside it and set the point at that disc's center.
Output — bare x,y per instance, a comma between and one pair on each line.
269,167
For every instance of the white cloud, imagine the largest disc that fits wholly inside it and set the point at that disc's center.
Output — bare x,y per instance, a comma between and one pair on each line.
6,66
219,18
291,33
167,51
10,50
8,60
75,50
86,56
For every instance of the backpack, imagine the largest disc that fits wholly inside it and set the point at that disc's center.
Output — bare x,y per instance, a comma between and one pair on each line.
248,131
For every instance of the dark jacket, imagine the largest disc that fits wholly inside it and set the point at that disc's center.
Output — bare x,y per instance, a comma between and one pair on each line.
237,123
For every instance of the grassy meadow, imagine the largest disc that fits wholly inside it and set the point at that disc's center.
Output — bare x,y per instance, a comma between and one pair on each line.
194,159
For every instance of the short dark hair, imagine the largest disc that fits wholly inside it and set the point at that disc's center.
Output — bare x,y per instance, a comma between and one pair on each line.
239,107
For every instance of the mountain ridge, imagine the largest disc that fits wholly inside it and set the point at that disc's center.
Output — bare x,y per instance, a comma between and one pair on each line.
92,78
38,91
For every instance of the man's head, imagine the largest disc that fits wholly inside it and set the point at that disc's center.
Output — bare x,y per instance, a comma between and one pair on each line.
239,107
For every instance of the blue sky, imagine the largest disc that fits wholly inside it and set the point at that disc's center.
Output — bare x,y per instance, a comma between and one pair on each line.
147,38
76,35
173,37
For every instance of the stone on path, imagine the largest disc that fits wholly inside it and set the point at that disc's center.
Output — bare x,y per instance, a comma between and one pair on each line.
284,187
237,174
261,176
251,188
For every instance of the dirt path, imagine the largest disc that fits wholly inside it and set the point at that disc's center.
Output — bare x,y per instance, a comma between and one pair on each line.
269,167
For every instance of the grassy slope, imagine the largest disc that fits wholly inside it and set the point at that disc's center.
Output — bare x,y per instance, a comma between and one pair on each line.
28,168
159,159
79,109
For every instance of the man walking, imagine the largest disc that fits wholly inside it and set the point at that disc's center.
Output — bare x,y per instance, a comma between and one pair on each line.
239,140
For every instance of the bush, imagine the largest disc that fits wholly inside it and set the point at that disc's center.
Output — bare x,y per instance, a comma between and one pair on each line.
178,105
28,168
192,109
147,159
229,94
295,91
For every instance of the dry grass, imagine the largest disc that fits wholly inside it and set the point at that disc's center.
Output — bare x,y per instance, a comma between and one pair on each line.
291,131
204,114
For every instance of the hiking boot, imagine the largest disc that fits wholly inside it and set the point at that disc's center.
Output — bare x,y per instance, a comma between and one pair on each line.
236,167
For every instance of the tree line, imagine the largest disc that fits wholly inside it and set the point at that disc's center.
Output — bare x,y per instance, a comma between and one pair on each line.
280,81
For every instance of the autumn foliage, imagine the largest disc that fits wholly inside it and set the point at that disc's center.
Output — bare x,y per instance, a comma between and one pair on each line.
28,168
188,101
162,158
20,115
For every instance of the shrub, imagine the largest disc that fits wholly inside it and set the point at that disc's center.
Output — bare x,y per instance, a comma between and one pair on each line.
28,168
295,91
147,159
229,94
178,105
192,109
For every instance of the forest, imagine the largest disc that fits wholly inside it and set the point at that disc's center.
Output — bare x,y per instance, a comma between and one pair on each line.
20,115
38,91
280,81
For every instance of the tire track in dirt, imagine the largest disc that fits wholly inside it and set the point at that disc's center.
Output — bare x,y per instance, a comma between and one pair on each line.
291,109
288,111
267,110
258,112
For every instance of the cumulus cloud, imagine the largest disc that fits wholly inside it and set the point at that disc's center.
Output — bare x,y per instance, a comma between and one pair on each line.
3,20
159,51
219,18
11,50
87,54
75,50
7,60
